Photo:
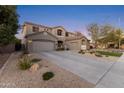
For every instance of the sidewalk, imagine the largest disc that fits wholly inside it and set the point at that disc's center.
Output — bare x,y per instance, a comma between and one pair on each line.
115,77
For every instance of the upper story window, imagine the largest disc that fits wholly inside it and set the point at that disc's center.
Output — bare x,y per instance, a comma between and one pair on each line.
35,29
59,32
66,34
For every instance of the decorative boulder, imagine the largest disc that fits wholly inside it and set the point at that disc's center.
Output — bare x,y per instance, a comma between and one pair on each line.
34,67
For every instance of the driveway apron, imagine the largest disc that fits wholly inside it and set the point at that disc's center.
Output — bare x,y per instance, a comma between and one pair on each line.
87,68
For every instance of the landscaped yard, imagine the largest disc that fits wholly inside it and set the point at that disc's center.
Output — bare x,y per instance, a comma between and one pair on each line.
13,76
103,54
108,53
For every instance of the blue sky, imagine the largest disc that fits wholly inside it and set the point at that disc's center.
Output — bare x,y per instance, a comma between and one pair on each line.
73,18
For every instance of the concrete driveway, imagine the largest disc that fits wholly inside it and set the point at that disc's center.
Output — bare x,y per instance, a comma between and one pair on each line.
90,69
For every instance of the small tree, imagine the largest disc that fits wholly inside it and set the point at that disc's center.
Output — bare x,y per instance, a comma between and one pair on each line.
93,30
107,34
8,24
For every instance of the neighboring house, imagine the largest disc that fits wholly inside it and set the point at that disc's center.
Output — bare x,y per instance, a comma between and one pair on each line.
122,42
44,38
112,44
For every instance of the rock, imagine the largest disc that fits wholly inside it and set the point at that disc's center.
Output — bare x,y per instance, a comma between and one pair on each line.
34,67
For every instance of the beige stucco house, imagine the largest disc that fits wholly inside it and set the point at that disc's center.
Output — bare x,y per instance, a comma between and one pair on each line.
43,38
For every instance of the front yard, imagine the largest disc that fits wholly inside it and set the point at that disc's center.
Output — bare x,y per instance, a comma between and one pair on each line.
49,75
13,76
111,56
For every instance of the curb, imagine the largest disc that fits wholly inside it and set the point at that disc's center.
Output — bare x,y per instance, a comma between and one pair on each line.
3,67
121,59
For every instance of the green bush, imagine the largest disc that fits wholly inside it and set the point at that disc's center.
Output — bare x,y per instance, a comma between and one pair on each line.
25,63
117,54
35,60
48,75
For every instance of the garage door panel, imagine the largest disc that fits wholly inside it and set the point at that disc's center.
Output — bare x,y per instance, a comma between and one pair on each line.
38,46
74,46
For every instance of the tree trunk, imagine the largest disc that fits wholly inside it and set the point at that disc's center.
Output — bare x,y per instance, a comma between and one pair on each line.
119,43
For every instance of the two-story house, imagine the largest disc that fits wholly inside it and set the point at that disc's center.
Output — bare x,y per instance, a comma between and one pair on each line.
43,38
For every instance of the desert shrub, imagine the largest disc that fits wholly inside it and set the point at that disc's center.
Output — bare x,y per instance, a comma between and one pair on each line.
48,75
81,52
91,52
35,60
25,63
98,55
67,49
60,49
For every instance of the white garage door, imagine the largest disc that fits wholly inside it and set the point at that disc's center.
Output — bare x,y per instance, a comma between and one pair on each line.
38,46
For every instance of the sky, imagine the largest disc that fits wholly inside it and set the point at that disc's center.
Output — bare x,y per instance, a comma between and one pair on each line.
73,18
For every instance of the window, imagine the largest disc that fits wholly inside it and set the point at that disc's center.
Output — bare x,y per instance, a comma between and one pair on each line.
59,32
83,42
66,34
35,29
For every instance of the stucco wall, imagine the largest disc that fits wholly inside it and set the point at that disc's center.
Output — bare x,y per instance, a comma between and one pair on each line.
54,32
27,29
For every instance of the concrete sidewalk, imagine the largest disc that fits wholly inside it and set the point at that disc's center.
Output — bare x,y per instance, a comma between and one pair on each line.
115,77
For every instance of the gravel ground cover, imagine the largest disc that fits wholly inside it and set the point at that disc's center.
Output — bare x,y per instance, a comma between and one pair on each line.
12,76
